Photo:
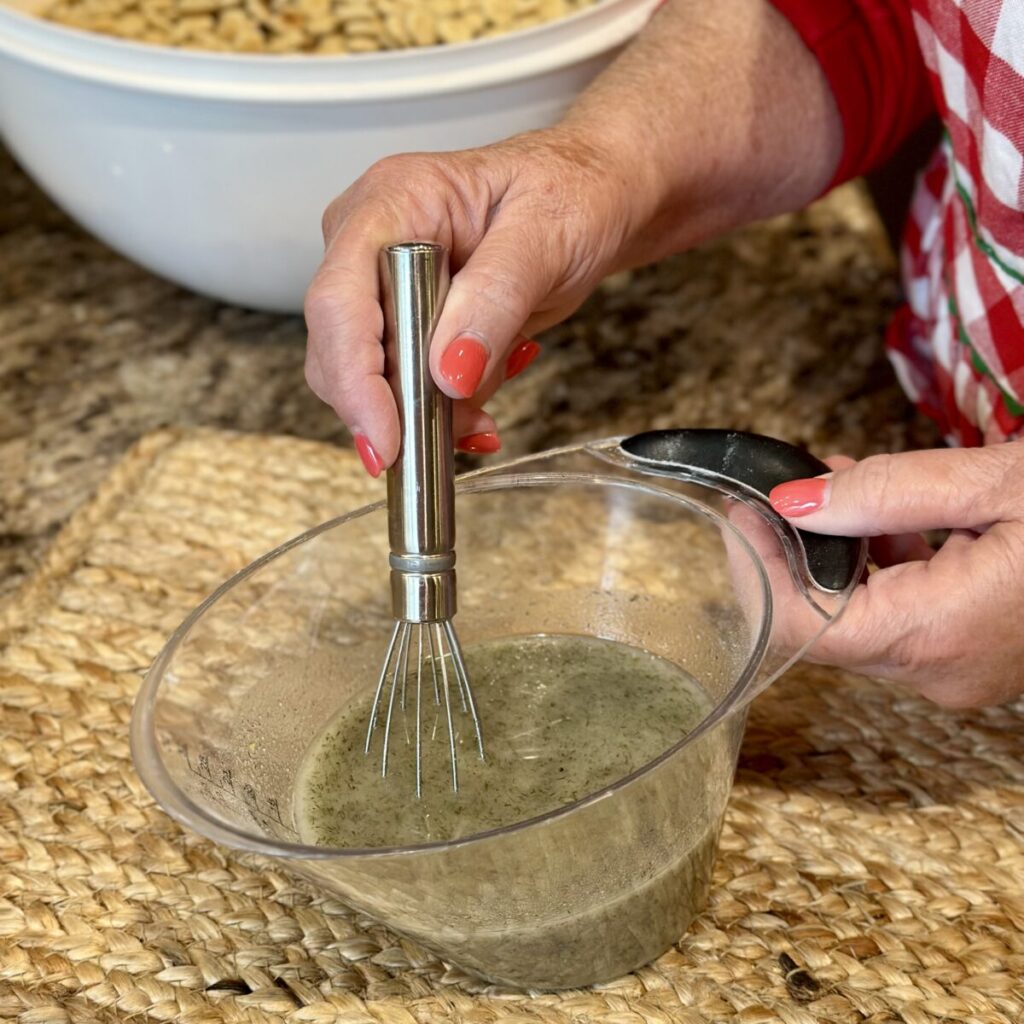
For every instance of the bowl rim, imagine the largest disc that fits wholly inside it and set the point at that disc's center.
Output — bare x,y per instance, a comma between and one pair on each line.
150,765
412,73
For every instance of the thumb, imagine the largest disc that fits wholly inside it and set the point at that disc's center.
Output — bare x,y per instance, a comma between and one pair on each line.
910,492
489,301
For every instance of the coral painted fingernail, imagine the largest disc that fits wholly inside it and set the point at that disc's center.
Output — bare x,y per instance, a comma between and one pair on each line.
799,497
463,365
483,444
372,461
520,357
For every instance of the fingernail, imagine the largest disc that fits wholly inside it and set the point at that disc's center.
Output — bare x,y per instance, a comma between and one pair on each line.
799,497
520,357
371,460
484,444
463,365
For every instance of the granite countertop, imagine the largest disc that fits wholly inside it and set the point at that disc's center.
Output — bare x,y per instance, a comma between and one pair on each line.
777,328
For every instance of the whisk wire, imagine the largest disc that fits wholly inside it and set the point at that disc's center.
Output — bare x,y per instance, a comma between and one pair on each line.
433,666
402,670
380,686
448,709
419,737
468,703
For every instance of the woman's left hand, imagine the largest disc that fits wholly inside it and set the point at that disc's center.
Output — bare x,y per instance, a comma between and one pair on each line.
950,623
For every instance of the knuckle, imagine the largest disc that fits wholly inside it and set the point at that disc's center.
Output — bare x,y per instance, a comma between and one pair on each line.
885,632
338,387
874,482
924,647
495,288
981,483
333,215
332,309
385,167
389,182
326,349
320,307
402,173
331,219
914,651
314,373
345,392
1009,475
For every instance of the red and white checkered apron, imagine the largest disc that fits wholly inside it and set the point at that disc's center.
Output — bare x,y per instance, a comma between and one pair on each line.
958,344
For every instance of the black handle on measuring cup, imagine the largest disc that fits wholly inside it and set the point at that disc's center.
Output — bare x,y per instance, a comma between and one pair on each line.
756,463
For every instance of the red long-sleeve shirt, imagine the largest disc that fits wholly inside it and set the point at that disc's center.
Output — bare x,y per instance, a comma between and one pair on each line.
958,344
869,53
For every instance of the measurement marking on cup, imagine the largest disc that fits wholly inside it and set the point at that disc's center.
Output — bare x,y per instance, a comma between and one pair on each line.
223,779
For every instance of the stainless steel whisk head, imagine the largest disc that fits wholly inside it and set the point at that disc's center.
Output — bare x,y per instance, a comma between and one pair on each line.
440,649
421,517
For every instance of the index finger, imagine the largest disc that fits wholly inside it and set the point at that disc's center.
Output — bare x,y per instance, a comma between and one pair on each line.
912,492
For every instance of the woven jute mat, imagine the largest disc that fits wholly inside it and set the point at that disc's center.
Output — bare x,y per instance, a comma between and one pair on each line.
871,867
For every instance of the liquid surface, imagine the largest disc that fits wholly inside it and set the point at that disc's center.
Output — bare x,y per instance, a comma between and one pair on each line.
562,717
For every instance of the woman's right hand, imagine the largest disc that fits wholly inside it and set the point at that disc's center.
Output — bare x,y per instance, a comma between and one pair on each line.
532,225
717,114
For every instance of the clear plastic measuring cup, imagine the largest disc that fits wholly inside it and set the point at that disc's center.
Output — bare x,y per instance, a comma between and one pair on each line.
663,541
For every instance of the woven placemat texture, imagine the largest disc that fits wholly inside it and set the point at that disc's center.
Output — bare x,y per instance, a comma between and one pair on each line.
871,867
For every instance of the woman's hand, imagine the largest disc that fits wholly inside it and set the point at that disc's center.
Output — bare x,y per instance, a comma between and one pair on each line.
532,224
717,114
949,623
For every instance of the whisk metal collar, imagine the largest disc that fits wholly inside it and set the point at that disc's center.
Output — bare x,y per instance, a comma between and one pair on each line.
423,597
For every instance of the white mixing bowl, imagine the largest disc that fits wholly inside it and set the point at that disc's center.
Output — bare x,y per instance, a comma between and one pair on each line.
213,169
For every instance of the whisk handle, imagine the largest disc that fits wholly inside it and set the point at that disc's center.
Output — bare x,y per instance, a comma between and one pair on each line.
421,483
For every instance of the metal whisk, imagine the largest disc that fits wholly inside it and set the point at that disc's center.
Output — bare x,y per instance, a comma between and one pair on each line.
421,513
